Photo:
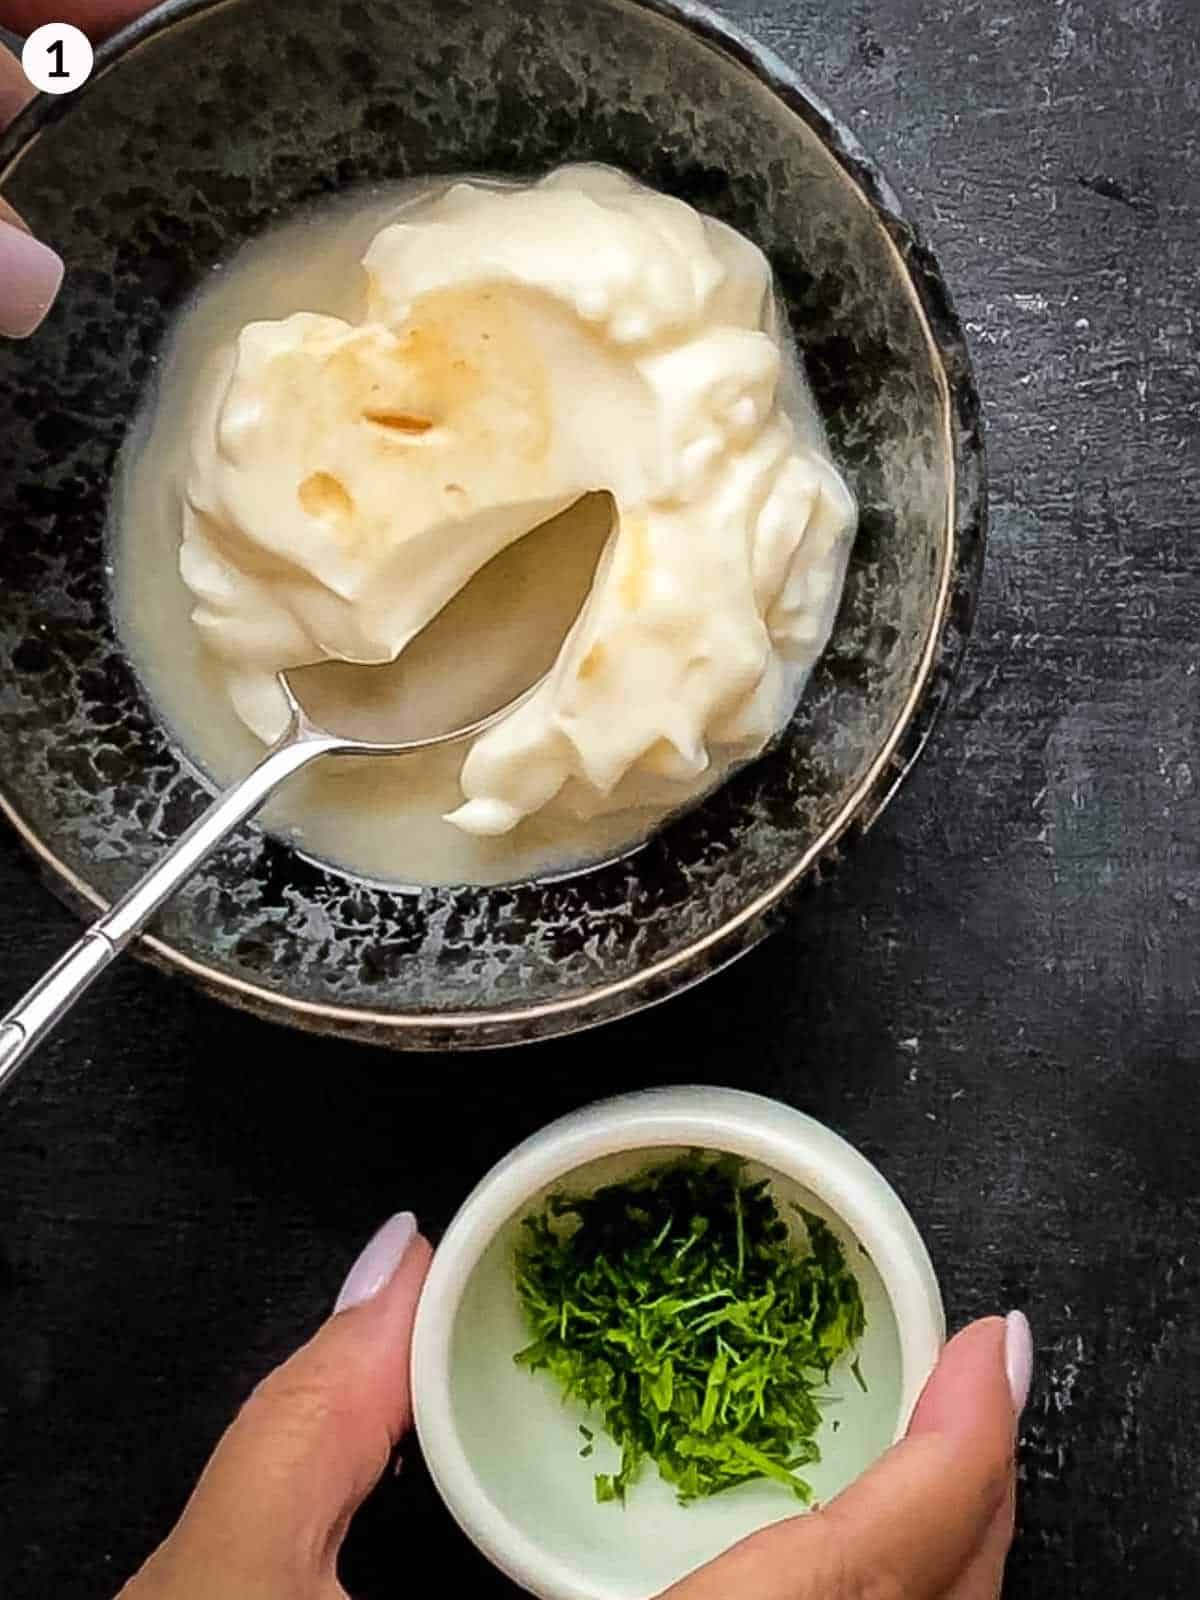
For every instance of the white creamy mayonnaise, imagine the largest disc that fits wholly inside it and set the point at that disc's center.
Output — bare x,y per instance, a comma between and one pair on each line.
521,348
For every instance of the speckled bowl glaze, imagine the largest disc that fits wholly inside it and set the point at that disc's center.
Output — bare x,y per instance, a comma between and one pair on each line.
210,119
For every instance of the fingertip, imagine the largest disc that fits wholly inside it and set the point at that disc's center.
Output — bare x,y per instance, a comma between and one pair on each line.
379,1329
981,1381
378,1262
969,1386
1018,1357
30,275
396,1301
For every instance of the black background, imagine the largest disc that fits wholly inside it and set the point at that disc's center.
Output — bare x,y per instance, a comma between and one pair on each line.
996,999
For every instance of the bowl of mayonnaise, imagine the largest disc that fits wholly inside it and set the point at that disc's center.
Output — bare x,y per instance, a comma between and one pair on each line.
391,313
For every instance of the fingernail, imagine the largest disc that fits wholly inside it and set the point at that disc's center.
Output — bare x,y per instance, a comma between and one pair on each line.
1018,1357
30,274
378,1262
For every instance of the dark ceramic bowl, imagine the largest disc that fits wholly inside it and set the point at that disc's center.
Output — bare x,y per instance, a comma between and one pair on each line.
212,118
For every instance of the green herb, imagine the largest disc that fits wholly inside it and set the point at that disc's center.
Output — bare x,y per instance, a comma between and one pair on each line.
678,1307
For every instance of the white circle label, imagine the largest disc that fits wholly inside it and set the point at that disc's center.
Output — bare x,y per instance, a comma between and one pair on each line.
57,58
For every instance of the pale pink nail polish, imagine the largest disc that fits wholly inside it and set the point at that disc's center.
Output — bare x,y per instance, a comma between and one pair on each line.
1018,1357
30,275
378,1262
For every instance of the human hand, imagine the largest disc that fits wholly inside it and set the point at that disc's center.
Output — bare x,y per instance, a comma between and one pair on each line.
931,1521
30,270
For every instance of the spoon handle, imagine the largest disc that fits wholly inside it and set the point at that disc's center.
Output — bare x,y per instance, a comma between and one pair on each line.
32,1018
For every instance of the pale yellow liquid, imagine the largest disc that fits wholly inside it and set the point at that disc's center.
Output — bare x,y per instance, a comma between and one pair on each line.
381,819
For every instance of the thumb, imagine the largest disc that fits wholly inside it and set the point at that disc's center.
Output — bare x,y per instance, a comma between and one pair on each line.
30,271
270,1511
921,1520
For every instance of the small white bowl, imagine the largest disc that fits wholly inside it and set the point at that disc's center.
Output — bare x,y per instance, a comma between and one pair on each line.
503,1449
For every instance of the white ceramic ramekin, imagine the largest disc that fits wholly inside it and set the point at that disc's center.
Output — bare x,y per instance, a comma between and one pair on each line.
503,1449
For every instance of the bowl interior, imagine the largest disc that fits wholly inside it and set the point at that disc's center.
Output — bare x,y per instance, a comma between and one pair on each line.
523,1444
205,143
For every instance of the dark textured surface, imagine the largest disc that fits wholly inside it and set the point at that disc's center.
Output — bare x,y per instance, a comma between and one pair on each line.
397,88
997,999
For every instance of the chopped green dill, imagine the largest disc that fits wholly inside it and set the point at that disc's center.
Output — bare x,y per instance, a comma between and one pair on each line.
677,1307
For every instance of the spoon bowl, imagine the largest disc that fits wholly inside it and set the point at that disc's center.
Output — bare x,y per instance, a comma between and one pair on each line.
408,704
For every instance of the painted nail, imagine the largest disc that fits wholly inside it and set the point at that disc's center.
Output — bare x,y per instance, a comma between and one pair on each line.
378,1262
30,273
1018,1357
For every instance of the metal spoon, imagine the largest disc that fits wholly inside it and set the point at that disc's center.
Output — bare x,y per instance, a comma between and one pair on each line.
305,741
